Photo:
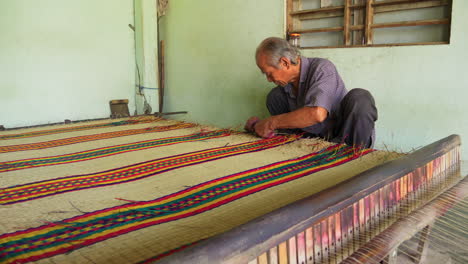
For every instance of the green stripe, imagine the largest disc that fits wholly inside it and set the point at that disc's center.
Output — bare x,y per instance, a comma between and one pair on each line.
113,150
152,211
69,129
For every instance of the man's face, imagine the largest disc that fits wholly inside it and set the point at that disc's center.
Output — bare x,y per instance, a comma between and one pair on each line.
280,76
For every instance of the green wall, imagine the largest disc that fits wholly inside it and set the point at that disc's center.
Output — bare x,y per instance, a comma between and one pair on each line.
421,91
64,59
211,72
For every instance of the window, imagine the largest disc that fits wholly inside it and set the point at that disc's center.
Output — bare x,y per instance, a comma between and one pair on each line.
354,23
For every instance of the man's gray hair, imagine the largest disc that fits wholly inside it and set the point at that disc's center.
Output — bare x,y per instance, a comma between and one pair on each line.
275,48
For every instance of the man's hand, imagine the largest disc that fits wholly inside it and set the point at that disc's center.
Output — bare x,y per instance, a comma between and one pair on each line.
250,124
265,128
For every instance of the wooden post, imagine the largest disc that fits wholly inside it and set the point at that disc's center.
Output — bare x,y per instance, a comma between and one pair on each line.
292,22
450,5
392,257
358,19
422,245
289,18
369,22
346,17
161,75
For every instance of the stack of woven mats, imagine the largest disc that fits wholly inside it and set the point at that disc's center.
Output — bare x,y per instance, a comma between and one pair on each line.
136,190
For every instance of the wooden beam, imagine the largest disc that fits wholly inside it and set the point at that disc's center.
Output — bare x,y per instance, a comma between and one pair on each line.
292,22
318,10
412,23
297,5
396,2
318,30
369,21
325,9
289,18
377,9
162,75
346,22
423,245
450,18
321,15
356,27
381,45
358,19
416,5
329,29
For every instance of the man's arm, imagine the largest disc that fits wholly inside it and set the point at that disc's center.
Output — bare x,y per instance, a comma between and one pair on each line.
300,118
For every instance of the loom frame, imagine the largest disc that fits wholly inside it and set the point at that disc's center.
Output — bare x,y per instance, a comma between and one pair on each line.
245,242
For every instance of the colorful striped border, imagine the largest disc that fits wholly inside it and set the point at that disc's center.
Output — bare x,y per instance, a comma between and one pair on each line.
80,139
80,231
108,151
77,128
31,191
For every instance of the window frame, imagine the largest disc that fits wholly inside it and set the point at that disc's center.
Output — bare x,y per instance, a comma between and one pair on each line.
364,31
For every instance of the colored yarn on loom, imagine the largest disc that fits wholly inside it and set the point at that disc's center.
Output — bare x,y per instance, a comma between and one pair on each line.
31,191
107,151
80,139
77,128
87,229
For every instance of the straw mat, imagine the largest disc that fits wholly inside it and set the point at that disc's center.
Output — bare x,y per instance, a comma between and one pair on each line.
134,197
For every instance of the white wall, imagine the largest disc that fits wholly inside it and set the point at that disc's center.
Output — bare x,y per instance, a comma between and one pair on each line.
64,59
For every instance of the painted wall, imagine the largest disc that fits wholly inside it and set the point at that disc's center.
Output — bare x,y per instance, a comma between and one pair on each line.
64,59
421,91
210,66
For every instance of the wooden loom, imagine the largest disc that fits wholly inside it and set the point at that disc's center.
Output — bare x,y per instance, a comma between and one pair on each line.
327,227
361,220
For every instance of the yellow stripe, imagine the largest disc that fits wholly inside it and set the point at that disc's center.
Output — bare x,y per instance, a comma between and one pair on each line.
241,175
126,179
85,219
142,165
166,201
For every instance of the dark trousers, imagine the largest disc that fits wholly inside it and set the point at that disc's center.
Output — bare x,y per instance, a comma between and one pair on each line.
354,122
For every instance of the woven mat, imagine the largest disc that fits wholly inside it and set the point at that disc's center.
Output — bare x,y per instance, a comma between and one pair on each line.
131,198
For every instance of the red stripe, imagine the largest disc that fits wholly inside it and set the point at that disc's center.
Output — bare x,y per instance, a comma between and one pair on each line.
200,210
68,180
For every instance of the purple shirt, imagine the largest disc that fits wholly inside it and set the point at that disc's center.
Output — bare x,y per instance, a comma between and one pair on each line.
319,85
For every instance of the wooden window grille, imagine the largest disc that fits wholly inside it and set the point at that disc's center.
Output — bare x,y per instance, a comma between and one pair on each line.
363,23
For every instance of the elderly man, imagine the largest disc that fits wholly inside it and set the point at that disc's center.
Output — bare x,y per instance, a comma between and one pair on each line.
311,97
